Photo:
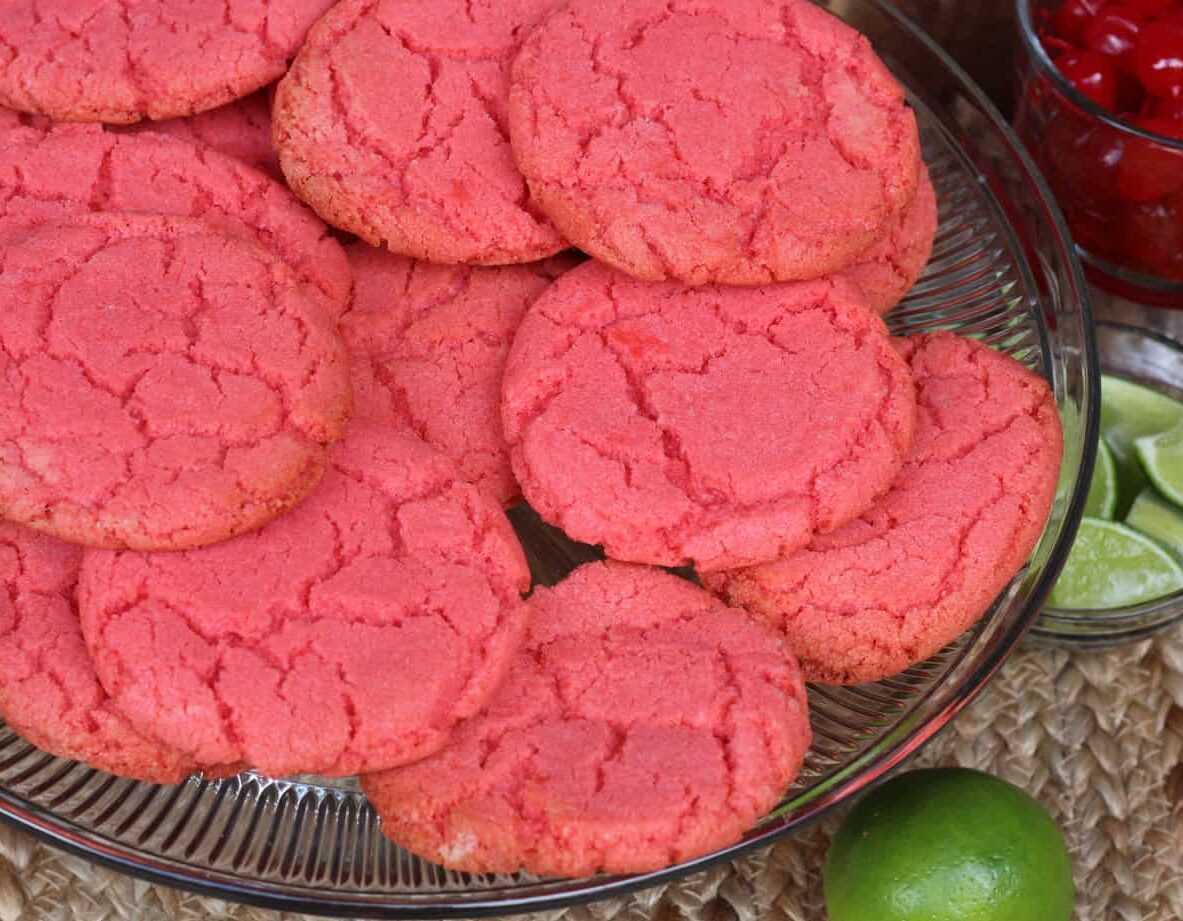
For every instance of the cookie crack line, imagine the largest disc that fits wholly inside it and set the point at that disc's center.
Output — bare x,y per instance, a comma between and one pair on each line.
126,395
433,182
301,624
182,179
567,681
163,330
674,452
53,66
570,158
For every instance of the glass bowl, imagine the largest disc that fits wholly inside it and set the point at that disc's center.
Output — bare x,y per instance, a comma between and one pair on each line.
1121,188
1003,270
1144,357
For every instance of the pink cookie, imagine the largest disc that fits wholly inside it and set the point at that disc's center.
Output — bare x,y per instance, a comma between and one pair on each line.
50,173
48,689
239,129
118,62
887,271
428,344
932,555
712,141
162,385
712,425
391,124
348,635
642,724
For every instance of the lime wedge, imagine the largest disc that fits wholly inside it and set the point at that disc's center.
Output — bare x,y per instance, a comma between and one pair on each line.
1102,497
1112,566
1130,411
1162,459
1156,517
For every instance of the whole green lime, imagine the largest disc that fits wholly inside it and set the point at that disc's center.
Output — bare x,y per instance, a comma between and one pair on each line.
948,845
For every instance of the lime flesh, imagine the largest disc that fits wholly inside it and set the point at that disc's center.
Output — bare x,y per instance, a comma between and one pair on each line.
1156,517
1114,566
1131,411
1162,458
1102,497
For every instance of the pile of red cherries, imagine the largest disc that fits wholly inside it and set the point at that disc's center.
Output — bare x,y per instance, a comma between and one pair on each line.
1127,57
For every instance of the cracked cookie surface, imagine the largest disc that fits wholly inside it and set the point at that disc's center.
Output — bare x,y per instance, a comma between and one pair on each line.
392,125
162,385
888,270
642,724
119,61
709,425
428,345
929,558
711,141
48,689
349,635
47,173
239,129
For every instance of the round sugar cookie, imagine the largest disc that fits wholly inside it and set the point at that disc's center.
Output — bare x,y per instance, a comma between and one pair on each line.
349,635
162,385
929,558
428,345
392,125
239,129
47,173
643,723
98,61
713,141
889,269
709,425
49,693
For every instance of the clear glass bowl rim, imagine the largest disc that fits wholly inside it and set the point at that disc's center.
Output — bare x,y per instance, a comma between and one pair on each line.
1037,53
886,756
1149,614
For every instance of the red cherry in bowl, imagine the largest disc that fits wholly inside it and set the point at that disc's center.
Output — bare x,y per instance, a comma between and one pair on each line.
1153,238
1158,58
1151,171
1174,15
1073,17
1151,8
1168,108
1114,32
1092,74
1084,164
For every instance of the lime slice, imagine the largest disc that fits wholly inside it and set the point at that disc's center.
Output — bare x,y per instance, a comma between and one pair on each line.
1156,517
1130,411
1112,566
1162,459
1102,497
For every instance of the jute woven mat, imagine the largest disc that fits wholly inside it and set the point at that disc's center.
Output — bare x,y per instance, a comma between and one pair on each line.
1097,737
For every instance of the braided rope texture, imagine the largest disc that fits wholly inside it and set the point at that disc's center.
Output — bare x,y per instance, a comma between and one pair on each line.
1097,737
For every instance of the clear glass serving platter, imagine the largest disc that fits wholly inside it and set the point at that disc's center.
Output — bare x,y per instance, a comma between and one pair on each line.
1002,270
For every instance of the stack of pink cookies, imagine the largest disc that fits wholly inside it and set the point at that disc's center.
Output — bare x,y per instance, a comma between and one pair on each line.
254,472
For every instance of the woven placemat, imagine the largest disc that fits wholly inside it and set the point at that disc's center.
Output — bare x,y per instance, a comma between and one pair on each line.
1097,737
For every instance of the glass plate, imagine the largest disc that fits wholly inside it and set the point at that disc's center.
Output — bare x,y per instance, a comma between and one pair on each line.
1002,270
